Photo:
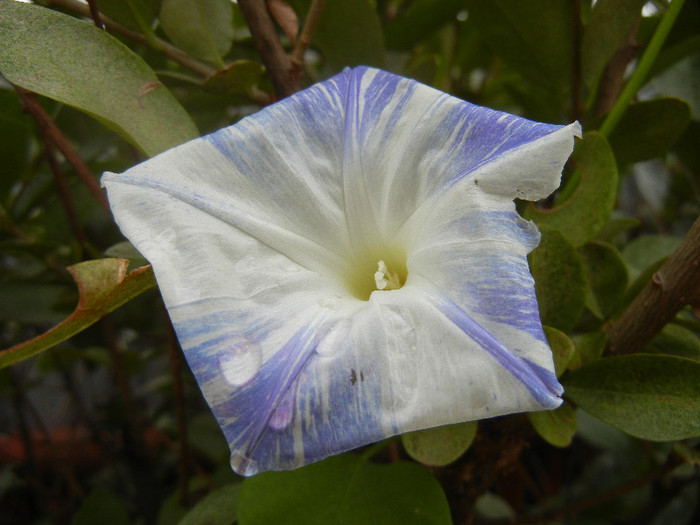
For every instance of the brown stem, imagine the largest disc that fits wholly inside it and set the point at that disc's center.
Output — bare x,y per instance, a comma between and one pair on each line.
492,457
136,430
304,40
175,356
613,76
675,285
597,499
283,72
174,53
49,129
95,14
63,192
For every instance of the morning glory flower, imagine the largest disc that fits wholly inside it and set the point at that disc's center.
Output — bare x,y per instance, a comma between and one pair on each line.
348,264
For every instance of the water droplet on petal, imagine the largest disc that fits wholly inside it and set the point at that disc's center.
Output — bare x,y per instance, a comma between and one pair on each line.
240,359
244,466
282,417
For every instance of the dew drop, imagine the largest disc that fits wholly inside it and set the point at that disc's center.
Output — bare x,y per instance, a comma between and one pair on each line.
240,359
282,416
244,466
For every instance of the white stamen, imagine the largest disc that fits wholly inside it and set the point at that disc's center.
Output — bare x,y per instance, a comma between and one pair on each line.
380,276
386,280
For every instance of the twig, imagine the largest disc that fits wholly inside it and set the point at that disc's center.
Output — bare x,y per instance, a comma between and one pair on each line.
613,75
136,430
63,192
95,14
598,499
674,285
175,356
48,127
283,73
640,74
304,40
169,50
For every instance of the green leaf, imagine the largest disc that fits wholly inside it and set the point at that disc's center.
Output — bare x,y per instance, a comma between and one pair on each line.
203,28
647,250
345,490
492,507
216,508
350,34
76,63
677,340
419,21
614,228
134,14
440,446
556,427
533,36
589,347
607,27
606,274
104,285
102,507
238,79
560,283
652,397
563,349
648,129
15,141
590,204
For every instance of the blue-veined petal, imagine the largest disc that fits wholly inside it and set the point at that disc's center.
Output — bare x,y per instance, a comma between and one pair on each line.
265,238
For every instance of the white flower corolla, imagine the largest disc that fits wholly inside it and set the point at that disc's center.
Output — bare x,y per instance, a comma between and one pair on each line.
348,264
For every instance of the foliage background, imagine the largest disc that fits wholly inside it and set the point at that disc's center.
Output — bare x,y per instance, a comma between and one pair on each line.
108,425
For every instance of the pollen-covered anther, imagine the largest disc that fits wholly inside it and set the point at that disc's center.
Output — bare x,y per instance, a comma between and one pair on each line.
385,279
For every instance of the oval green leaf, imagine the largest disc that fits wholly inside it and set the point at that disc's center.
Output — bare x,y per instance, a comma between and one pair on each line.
203,28
556,427
648,129
653,397
216,508
533,37
560,283
440,446
345,489
606,274
74,62
563,349
350,34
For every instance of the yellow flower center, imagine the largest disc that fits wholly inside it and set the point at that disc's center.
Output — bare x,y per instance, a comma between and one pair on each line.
376,272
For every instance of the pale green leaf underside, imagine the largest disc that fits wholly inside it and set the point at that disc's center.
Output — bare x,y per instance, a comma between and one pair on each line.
74,62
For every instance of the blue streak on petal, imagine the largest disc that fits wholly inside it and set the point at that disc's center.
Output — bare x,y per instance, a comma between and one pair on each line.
497,284
489,134
541,388
502,289
295,409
